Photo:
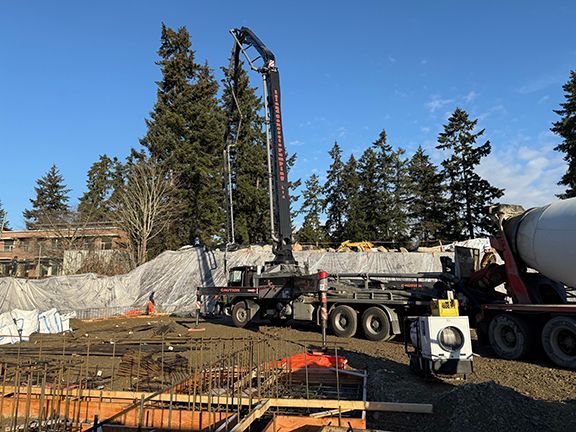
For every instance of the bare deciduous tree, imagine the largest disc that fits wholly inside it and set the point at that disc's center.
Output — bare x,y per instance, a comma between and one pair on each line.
145,206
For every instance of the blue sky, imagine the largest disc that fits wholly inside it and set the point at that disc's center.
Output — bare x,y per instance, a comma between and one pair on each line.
77,80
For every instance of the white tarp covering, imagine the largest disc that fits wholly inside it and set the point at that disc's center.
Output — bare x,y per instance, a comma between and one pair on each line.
174,276
53,321
19,324
26,322
8,330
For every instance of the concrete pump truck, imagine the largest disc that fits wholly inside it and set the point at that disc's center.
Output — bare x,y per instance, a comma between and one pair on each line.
281,289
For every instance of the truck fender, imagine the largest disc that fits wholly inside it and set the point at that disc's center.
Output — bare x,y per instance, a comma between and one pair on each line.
393,317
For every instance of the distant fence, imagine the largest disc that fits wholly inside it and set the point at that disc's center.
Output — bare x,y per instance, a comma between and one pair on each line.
109,312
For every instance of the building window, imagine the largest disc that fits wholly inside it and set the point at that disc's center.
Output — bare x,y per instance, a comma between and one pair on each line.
8,245
106,243
24,245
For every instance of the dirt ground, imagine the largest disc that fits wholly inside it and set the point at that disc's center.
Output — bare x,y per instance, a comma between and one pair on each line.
499,395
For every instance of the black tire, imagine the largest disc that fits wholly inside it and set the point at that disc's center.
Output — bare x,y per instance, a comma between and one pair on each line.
241,314
376,324
343,321
510,336
559,341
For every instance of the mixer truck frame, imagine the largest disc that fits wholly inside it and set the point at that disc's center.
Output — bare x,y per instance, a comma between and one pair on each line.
540,314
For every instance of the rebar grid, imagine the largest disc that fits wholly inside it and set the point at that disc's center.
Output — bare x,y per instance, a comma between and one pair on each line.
177,383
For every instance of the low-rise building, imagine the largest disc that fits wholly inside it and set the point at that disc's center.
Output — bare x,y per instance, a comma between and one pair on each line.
40,253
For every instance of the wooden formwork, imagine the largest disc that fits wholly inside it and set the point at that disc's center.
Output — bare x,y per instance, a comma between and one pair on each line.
243,389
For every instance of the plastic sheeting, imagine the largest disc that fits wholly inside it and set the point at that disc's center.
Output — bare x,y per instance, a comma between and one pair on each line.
17,325
174,276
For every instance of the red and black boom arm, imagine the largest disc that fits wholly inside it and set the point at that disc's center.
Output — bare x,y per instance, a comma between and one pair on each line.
245,39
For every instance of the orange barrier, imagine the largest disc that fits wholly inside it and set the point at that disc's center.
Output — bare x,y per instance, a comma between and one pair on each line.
312,360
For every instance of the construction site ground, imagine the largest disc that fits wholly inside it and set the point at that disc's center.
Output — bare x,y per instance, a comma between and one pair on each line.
499,395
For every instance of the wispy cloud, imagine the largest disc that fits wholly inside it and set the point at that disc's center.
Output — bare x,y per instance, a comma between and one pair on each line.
392,59
543,99
529,170
539,84
495,109
470,97
296,143
436,103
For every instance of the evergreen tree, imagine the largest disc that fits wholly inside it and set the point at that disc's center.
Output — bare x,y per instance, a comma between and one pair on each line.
335,197
426,206
368,195
293,186
469,194
3,218
400,191
184,134
51,202
353,226
311,231
566,128
104,177
383,198
249,165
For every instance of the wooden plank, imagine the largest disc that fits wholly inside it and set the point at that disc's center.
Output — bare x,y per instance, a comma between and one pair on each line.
328,413
254,415
353,405
279,402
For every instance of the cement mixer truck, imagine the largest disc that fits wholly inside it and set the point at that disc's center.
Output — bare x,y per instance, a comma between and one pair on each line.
537,311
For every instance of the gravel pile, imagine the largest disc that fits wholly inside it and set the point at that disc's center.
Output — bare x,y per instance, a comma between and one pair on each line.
492,407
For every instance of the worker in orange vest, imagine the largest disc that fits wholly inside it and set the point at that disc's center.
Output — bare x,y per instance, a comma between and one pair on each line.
150,305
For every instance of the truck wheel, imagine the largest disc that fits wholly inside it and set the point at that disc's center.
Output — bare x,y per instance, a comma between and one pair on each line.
510,336
376,324
559,341
241,314
344,321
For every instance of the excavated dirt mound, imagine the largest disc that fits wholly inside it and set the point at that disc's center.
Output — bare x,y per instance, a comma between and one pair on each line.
492,407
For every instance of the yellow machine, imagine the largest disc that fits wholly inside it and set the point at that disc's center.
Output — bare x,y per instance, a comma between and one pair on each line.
361,246
445,308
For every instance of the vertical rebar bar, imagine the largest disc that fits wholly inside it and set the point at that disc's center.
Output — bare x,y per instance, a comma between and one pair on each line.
4,373
28,398
113,365
138,367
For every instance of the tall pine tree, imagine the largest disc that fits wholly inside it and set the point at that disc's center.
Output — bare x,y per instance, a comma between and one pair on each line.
469,194
249,165
368,195
311,231
353,226
566,128
427,202
381,189
335,197
51,202
3,218
400,191
185,134
104,178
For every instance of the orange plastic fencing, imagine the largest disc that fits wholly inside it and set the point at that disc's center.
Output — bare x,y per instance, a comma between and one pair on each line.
312,360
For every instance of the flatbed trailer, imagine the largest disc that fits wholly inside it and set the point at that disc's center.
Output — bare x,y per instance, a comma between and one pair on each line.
376,303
